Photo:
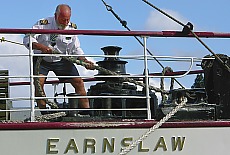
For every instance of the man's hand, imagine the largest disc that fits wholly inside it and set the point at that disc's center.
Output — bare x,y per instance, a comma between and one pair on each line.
46,50
43,48
90,64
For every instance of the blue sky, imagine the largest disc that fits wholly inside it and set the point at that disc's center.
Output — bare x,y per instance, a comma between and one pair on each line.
92,15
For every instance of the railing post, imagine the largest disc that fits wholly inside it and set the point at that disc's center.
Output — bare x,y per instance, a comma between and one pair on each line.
146,78
32,115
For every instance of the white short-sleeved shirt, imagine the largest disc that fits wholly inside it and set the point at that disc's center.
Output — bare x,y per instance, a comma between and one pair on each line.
66,44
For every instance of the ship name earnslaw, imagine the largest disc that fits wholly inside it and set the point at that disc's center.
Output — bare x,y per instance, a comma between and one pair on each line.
108,145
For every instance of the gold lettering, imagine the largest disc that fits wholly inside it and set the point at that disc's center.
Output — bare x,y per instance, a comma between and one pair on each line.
161,143
141,149
124,142
50,146
71,146
110,145
177,143
89,143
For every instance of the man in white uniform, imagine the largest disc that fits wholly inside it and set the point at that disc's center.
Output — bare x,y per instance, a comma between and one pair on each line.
65,44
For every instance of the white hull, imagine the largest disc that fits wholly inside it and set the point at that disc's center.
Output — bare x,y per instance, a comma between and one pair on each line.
101,140
87,136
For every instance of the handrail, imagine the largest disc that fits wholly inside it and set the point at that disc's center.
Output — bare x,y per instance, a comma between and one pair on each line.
118,33
16,83
144,57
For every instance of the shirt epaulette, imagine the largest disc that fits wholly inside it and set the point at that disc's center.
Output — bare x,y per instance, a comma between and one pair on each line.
44,22
73,25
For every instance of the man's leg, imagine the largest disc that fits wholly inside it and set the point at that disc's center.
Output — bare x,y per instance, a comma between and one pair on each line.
78,85
41,103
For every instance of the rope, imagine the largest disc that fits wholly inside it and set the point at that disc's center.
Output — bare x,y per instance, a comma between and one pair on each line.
84,64
152,129
38,85
103,70
46,117
188,28
106,71
166,70
41,118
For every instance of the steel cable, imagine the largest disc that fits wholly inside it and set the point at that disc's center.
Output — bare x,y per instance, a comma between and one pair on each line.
124,24
190,30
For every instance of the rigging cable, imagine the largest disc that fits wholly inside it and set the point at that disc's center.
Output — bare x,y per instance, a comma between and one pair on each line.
124,24
194,34
4,40
126,150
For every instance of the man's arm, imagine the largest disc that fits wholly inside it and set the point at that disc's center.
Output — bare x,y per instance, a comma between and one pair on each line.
90,64
41,47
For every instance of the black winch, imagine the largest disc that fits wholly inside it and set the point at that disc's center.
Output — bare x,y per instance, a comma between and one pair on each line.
113,64
115,87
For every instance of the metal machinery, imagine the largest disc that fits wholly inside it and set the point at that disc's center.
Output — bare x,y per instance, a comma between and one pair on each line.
114,86
210,102
217,84
208,99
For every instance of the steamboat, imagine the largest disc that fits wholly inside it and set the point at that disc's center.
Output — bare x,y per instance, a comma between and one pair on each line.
127,114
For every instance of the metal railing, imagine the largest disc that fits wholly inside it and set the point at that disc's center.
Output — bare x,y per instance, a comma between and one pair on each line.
145,58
